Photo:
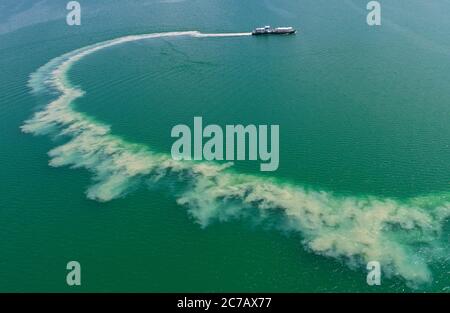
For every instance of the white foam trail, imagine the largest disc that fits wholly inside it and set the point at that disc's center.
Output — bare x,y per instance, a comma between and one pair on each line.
403,236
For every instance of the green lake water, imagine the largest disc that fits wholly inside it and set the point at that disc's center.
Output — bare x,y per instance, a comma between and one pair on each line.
363,112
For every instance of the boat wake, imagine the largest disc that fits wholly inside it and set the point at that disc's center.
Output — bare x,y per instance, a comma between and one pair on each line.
404,236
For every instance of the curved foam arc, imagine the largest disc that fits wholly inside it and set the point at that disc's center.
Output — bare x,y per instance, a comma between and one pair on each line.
403,236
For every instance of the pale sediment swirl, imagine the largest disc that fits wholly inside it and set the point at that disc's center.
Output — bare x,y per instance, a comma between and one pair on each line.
404,236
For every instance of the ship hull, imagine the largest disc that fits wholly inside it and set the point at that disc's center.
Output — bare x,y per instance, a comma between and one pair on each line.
274,33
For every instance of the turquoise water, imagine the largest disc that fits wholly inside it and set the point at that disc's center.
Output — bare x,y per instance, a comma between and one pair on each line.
363,171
